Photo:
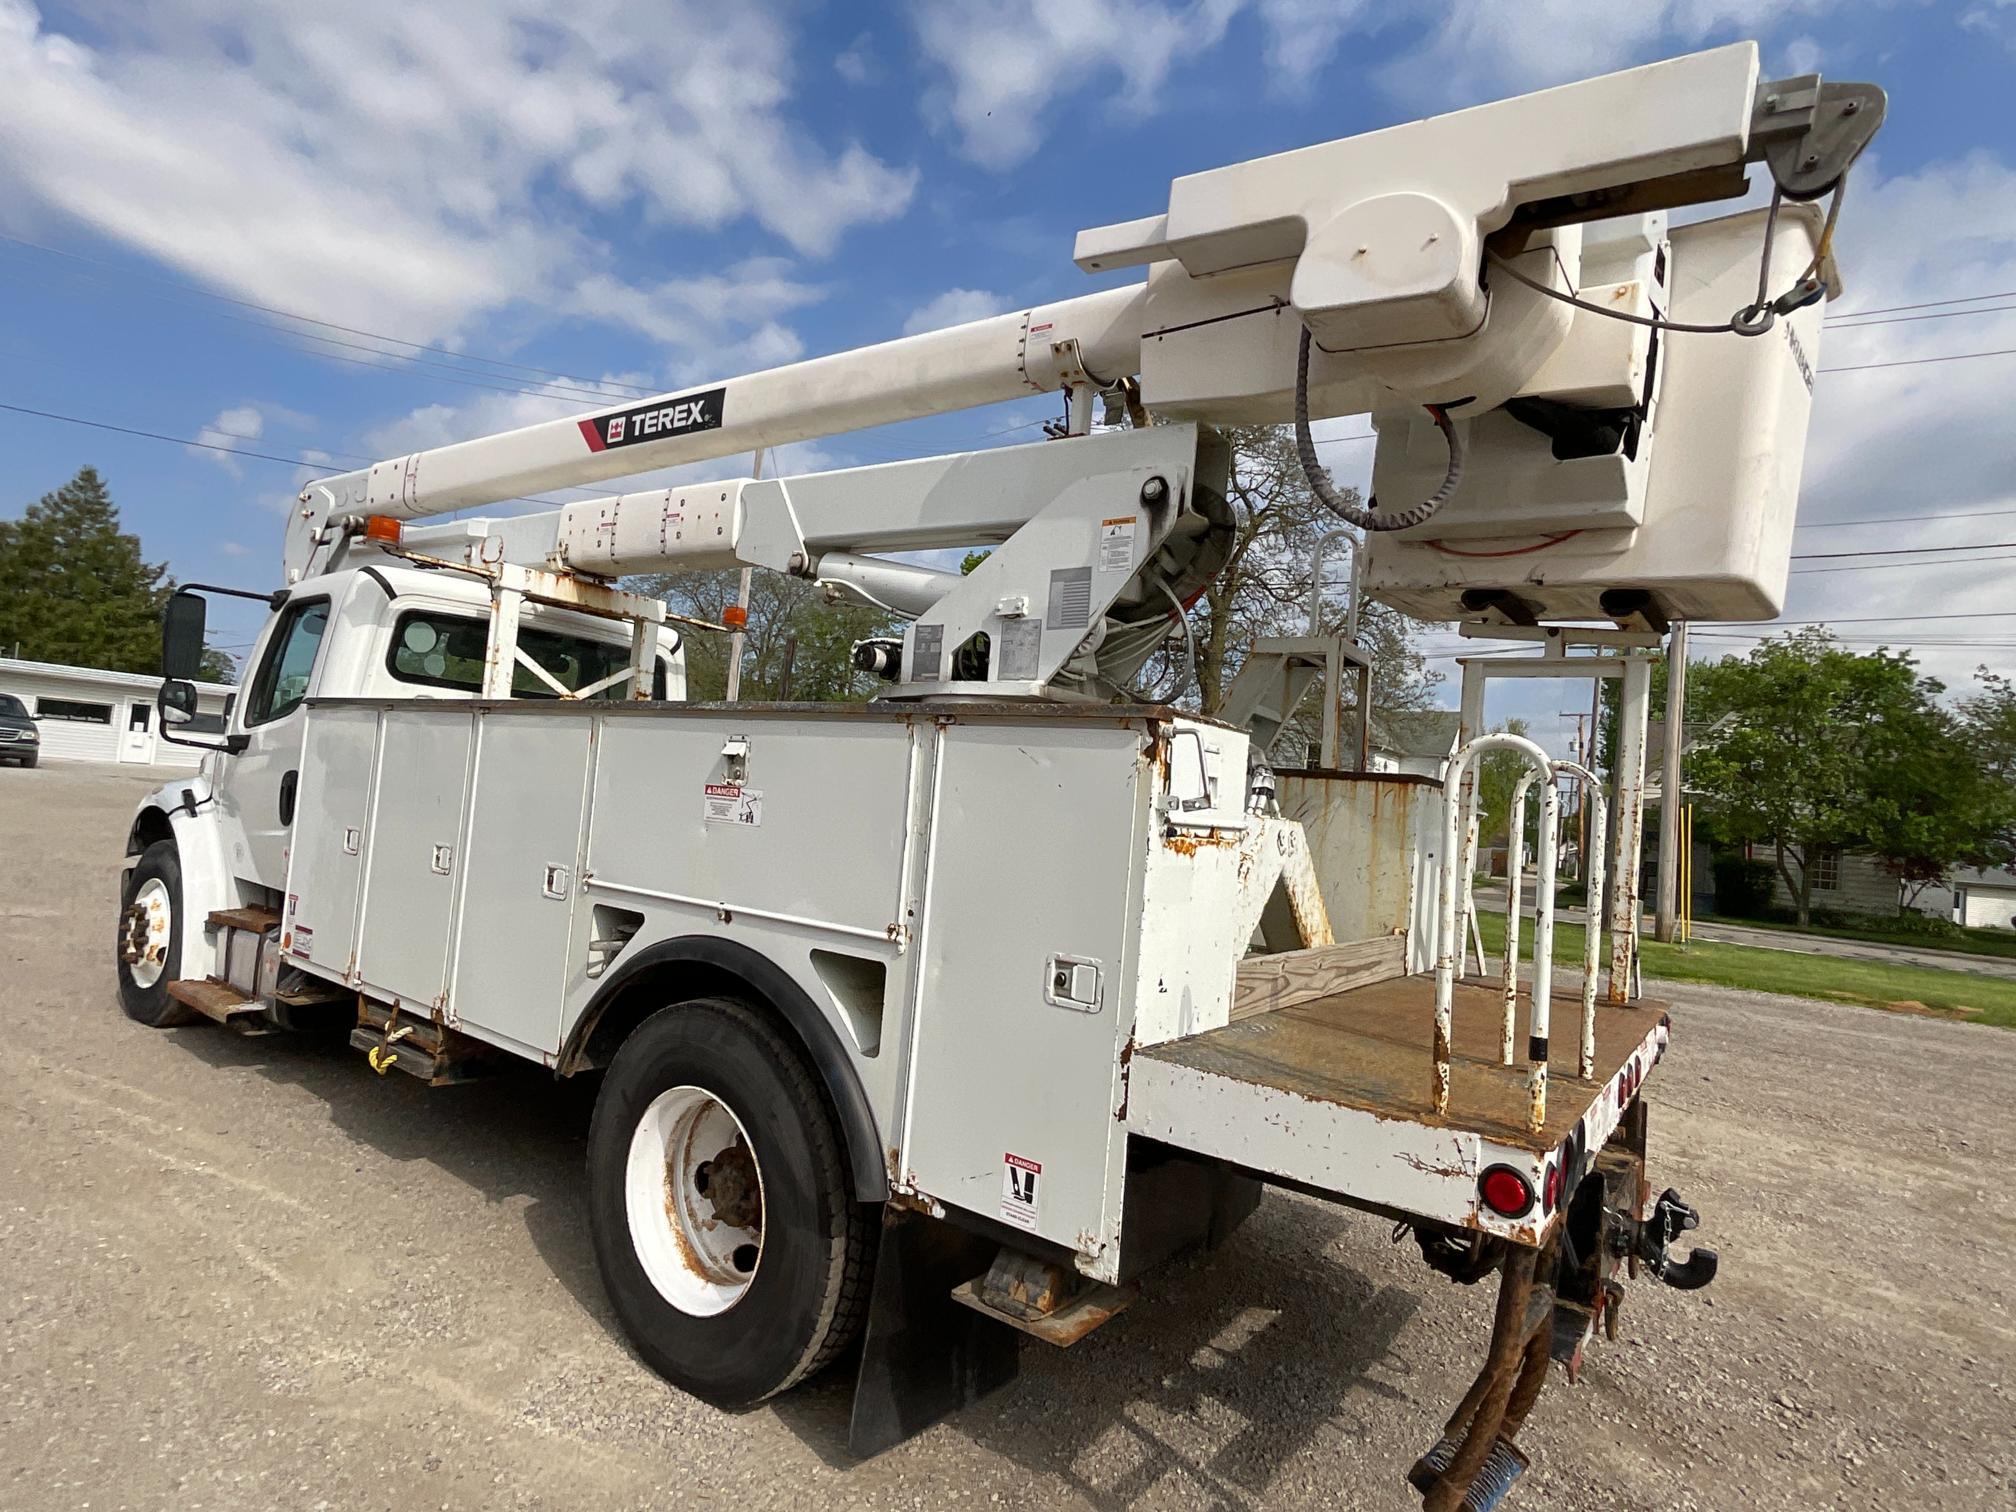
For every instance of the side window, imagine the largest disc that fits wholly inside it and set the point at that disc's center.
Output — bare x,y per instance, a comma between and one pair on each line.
282,680
441,650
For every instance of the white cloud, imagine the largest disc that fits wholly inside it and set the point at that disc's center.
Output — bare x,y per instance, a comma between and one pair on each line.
713,325
410,166
1481,50
858,65
954,307
1303,35
234,427
1005,61
234,548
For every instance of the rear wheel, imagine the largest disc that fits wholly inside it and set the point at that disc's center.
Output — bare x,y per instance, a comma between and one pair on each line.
727,1238
149,943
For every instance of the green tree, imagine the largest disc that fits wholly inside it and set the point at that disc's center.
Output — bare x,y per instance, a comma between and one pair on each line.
790,626
1812,748
1498,772
74,588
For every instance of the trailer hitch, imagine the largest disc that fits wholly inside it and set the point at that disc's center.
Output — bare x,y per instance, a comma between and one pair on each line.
1669,1219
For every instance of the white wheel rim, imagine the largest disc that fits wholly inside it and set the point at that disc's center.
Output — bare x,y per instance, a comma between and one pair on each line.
693,1192
150,921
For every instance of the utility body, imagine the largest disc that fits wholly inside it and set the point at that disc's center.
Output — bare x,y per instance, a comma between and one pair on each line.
943,1017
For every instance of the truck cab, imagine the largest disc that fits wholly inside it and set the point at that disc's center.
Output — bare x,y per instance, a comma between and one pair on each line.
377,627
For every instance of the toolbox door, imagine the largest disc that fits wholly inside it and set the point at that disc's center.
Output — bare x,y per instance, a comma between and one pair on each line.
521,875
1023,1004
414,856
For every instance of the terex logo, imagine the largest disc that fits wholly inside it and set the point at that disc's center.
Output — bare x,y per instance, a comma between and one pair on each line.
656,421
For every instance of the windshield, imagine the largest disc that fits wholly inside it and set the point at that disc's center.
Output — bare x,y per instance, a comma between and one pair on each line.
446,651
9,704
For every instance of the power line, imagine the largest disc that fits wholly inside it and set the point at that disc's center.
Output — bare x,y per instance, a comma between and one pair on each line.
1975,514
1925,304
248,304
1815,556
1858,325
1885,619
1863,367
1879,566
235,451
127,430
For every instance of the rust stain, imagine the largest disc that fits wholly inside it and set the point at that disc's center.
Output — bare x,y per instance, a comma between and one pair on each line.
1189,843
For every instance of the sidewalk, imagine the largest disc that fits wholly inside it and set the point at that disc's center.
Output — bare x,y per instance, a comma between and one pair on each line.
1725,933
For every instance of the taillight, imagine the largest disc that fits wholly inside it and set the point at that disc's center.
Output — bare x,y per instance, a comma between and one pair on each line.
1550,1185
1505,1191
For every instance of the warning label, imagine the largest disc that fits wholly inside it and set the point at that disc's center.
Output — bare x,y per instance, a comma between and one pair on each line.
304,940
1116,544
1020,1183
732,803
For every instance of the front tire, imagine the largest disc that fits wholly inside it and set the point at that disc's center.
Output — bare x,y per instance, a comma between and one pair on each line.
148,945
726,1235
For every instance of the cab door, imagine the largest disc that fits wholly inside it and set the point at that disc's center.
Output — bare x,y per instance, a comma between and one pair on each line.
258,790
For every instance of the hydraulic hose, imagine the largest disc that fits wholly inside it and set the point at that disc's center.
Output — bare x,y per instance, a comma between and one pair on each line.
1368,518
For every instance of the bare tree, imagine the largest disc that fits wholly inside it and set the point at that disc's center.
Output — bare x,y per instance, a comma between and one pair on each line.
1267,583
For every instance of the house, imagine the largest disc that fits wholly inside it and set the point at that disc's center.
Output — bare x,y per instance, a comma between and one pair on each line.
1415,741
1844,881
88,714
1976,897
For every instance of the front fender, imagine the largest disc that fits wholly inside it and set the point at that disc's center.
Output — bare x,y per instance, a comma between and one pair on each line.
188,810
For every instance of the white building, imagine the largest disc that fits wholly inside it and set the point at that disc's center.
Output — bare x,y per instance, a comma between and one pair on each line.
1979,899
1414,741
85,714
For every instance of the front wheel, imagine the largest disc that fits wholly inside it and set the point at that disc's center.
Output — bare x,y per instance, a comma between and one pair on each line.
149,944
727,1238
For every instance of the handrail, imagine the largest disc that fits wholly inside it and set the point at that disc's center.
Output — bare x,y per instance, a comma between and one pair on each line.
1508,976
1592,930
1455,828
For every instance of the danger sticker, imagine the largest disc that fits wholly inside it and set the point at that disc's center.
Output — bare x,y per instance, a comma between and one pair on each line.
304,940
1021,1181
1116,544
659,420
732,803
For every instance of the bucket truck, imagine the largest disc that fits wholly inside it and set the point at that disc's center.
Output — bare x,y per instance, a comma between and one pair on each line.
942,1018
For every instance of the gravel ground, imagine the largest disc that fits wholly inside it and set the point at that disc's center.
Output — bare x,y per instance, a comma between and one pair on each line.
250,1274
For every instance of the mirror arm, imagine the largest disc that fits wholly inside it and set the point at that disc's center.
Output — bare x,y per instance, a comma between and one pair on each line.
271,600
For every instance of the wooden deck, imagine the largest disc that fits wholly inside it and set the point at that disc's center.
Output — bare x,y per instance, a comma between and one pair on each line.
1369,1048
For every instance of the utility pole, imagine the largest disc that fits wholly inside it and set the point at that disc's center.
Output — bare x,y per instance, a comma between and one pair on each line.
1586,756
1670,782
739,619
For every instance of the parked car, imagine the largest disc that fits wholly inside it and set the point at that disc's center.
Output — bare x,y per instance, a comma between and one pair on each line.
20,741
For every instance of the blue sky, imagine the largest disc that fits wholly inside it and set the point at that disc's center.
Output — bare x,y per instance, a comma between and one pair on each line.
630,197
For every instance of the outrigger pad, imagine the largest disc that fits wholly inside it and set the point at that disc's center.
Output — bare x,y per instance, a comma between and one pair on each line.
1494,1481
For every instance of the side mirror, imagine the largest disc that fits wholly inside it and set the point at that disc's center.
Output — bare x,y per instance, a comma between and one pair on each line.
182,639
177,702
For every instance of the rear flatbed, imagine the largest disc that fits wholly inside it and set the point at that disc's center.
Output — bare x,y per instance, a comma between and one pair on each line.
1336,1093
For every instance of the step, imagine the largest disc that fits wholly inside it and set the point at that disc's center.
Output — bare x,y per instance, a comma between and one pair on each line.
223,1003
253,920
436,1054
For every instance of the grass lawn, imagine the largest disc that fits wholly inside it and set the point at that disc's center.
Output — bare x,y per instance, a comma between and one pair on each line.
1989,942
1991,1000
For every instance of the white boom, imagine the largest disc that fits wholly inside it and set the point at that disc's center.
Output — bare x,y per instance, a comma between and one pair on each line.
1375,244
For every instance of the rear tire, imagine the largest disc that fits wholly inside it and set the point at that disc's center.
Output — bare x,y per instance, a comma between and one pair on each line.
727,1237
150,924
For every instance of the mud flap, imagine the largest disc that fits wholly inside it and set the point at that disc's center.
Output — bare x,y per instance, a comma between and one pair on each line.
923,1356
